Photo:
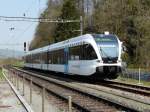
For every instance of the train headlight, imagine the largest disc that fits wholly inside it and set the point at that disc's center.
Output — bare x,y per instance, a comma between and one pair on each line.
106,32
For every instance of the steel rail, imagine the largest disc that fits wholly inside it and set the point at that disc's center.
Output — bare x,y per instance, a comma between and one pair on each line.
110,102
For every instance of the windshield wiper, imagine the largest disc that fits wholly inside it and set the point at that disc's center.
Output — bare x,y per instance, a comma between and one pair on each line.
109,57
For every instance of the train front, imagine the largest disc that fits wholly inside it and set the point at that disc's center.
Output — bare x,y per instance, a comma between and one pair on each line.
110,52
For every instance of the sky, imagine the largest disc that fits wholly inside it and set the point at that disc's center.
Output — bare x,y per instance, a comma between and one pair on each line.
23,31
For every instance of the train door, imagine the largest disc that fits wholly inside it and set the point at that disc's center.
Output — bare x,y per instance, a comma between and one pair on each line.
66,56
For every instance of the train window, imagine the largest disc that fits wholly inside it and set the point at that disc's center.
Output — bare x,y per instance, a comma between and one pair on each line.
49,57
40,58
74,53
88,53
76,57
56,57
33,57
30,58
71,57
37,58
26,59
44,57
61,56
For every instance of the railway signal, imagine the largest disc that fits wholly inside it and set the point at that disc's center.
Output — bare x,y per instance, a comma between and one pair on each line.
24,46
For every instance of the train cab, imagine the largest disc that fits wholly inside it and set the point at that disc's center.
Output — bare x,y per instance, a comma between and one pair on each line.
110,52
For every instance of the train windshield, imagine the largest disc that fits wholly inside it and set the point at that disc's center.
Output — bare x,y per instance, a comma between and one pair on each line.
108,45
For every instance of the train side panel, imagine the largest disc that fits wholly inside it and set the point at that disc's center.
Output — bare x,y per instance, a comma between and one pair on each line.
82,67
56,67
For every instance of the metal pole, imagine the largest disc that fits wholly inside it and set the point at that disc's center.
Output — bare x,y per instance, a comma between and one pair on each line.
9,75
70,103
43,98
31,90
139,76
17,76
16,79
13,78
81,25
23,87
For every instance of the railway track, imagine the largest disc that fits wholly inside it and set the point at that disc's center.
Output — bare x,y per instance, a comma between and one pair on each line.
84,100
141,90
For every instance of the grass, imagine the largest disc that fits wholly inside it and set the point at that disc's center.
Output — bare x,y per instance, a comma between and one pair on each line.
132,81
10,61
18,64
1,76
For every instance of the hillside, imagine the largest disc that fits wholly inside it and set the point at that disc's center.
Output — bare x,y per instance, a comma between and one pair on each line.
129,19
4,54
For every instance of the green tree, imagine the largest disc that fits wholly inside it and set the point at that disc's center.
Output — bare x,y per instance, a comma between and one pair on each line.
129,20
44,31
67,30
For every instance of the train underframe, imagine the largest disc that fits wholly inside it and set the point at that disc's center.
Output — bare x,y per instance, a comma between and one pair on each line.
102,72
107,72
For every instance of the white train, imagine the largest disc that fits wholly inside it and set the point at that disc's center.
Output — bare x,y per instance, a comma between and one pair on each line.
95,55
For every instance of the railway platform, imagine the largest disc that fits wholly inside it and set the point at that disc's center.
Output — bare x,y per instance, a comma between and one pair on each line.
29,100
9,102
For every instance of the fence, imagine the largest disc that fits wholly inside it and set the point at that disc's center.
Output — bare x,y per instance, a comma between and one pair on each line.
134,74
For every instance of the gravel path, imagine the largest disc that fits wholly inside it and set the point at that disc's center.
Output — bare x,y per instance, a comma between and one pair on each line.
8,100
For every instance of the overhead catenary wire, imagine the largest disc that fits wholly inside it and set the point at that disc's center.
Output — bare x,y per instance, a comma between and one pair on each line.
24,31
44,20
20,34
19,19
30,19
11,44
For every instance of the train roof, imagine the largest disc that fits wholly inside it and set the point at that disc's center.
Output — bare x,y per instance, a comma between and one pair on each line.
79,40
61,44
